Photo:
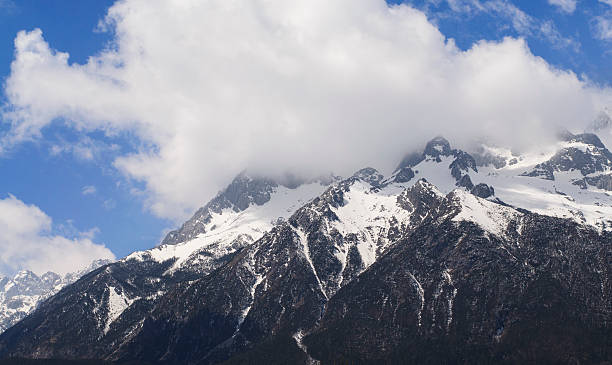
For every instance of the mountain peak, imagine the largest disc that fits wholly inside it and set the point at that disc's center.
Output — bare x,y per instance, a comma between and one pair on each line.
582,152
24,275
369,175
423,185
244,190
438,146
586,138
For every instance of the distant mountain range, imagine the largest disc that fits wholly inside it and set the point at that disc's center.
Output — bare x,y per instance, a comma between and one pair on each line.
490,256
20,294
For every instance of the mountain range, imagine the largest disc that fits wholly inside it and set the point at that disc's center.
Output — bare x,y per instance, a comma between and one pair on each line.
21,293
487,256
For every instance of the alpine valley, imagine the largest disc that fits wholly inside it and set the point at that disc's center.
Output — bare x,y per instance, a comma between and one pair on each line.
486,256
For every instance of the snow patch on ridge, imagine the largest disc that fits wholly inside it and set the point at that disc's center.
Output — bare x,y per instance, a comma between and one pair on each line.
491,217
117,304
447,276
421,293
245,311
368,214
306,250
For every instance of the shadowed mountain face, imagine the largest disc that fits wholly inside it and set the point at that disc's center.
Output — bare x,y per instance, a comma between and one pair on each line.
416,267
448,292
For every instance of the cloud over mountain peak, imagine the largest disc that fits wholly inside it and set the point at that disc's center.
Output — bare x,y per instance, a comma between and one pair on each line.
211,88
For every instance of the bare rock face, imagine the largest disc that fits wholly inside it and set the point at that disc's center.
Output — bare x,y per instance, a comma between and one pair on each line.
483,191
602,181
404,175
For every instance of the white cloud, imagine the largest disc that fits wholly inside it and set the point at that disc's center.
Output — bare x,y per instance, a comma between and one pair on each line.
8,6
602,23
85,148
26,242
210,88
465,6
557,41
109,204
88,190
603,27
568,6
521,21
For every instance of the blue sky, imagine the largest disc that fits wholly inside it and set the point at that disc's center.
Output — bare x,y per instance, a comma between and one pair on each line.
586,54
56,183
71,175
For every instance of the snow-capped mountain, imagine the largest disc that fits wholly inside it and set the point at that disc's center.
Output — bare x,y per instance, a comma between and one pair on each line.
238,216
570,180
454,255
20,294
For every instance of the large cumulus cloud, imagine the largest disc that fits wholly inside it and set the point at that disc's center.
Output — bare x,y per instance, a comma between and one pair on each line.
212,87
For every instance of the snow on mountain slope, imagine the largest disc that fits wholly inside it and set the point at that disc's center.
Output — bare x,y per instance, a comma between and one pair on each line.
367,211
491,217
565,179
117,304
20,294
436,173
564,196
228,230
364,223
352,224
369,215
284,282
558,198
